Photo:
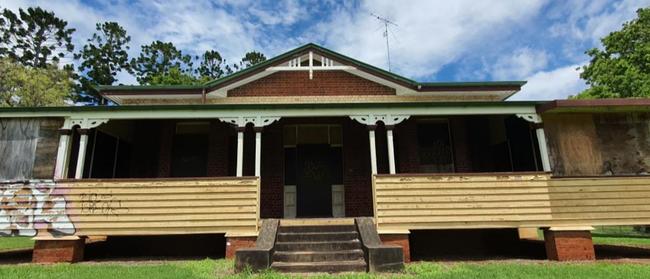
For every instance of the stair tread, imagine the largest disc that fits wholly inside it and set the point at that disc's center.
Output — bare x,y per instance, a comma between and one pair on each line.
317,233
318,242
320,252
325,263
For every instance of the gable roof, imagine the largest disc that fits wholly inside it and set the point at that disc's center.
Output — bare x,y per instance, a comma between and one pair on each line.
511,86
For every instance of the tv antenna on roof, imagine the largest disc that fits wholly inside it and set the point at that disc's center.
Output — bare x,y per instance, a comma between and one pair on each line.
386,22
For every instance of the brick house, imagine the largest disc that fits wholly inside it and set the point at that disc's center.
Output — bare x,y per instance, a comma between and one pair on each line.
315,135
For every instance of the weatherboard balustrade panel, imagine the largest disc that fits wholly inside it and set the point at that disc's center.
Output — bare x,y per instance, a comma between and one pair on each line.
130,207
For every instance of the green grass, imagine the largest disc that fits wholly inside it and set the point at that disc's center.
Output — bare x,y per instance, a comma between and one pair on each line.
621,240
223,269
16,242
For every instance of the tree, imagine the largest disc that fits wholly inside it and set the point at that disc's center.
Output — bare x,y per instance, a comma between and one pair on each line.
157,60
250,58
32,87
211,65
34,37
102,58
622,68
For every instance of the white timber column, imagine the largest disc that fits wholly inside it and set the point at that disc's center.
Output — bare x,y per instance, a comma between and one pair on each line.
240,151
543,149
391,149
258,123
258,151
536,119
389,121
63,151
373,149
84,125
81,156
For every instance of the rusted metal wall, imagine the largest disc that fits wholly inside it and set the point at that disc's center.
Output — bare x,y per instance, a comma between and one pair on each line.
598,144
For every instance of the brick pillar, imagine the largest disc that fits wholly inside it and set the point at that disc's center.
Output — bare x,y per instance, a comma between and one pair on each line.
272,179
401,240
58,251
235,243
569,245
356,170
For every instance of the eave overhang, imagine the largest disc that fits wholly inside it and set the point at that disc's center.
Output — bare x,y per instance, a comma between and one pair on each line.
595,105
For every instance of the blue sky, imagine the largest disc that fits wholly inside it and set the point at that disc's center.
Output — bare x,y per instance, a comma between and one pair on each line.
540,41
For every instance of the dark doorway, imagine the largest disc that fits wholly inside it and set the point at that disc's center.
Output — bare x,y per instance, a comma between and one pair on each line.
315,172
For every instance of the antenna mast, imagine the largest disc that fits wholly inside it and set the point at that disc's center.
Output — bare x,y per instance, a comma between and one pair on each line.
386,22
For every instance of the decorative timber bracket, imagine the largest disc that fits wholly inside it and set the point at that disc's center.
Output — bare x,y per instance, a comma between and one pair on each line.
257,121
387,119
530,117
83,123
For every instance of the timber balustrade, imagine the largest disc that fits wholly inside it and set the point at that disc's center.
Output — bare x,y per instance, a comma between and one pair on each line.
85,207
507,200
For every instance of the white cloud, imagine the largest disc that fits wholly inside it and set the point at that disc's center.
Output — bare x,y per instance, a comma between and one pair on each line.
521,63
550,85
429,35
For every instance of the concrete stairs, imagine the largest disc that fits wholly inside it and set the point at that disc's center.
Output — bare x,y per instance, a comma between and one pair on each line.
318,248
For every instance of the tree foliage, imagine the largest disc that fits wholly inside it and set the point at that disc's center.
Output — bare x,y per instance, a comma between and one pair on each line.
32,87
622,68
35,37
211,65
156,62
102,58
250,58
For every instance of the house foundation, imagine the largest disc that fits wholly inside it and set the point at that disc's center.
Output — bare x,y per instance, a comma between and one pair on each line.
235,243
401,240
59,251
569,244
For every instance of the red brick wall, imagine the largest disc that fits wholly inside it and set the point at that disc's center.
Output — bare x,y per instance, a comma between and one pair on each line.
324,83
460,144
235,243
167,131
356,170
401,240
272,172
569,245
56,251
406,147
381,143
218,148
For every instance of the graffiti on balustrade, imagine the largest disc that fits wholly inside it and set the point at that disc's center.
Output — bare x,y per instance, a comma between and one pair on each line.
29,206
105,204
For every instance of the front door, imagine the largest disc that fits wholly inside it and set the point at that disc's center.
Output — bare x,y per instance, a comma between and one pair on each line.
315,171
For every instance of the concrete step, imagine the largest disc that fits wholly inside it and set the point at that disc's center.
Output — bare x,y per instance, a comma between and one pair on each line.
333,228
330,267
318,246
316,236
318,256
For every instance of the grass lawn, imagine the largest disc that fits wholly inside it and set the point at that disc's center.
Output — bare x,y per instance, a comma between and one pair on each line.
223,269
621,240
16,242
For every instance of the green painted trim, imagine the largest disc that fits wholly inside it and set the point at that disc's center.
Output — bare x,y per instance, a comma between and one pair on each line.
300,49
475,83
205,107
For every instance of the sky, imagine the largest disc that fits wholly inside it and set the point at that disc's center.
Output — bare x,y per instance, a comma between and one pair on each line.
540,41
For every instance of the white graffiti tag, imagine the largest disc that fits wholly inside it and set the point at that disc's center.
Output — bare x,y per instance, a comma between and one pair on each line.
26,207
